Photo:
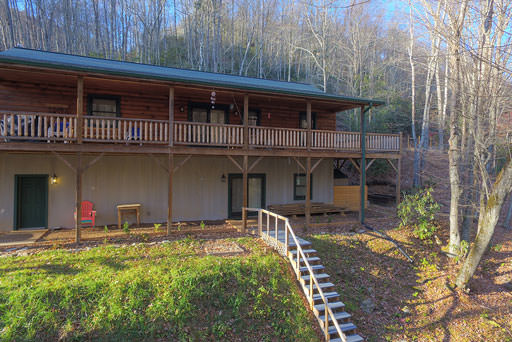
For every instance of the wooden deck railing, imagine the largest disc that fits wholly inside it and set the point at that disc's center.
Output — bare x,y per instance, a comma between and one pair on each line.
272,236
336,140
196,133
37,126
277,137
62,127
100,129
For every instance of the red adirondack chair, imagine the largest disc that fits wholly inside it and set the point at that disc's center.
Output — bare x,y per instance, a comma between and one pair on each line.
88,215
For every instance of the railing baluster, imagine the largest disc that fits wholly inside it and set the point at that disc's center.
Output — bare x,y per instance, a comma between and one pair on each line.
32,126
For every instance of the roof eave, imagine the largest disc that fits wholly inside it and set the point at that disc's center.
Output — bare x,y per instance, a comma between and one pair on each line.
337,98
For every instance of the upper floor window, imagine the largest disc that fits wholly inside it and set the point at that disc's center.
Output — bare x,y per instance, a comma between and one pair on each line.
254,117
303,120
205,113
107,106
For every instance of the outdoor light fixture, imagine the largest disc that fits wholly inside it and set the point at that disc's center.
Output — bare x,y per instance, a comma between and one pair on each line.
223,178
53,179
182,109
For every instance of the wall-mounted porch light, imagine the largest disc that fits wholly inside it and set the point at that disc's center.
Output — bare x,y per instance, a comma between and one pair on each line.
223,178
53,179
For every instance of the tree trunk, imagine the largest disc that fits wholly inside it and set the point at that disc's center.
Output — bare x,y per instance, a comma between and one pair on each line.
486,225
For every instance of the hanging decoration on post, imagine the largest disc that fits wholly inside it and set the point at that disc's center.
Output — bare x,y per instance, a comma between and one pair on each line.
213,98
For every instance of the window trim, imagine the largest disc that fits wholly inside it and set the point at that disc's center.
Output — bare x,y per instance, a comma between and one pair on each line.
298,197
304,115
91,97
208,108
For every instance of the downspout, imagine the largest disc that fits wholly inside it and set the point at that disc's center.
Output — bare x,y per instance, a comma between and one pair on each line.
363,161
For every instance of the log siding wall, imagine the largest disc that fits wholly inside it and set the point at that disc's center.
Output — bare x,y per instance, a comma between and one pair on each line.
137,103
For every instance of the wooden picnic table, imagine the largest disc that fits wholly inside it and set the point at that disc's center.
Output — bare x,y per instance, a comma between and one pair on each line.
128,207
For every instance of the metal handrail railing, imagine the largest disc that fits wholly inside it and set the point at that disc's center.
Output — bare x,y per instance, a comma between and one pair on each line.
296,266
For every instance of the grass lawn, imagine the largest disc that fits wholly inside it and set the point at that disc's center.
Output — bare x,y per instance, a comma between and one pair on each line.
162,292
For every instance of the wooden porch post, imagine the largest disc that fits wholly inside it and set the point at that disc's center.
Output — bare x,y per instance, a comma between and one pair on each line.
399,172
78,198
245,166
170,168
245,192
171,116
79,109
78,170
309,136
362,164
308,192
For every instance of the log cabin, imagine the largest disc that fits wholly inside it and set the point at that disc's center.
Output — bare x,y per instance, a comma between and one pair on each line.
185,145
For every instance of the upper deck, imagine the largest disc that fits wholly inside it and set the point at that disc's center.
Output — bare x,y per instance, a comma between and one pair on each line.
62,128
71,103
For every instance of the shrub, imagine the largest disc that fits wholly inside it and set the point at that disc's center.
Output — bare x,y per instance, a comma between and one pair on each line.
126,227
418,210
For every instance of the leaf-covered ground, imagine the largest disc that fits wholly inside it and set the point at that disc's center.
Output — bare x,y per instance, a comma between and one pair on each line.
416,302
162,292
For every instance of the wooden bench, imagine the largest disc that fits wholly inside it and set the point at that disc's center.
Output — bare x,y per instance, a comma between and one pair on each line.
299,209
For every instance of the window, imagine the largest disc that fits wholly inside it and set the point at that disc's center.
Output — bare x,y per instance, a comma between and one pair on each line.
201,112
254,117
106,106
303,120
299,186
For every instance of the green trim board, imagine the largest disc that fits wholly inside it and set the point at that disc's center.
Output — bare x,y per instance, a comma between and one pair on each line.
35,206
61,61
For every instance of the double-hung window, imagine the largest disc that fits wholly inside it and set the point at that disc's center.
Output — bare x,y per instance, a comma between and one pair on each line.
299,186
105,106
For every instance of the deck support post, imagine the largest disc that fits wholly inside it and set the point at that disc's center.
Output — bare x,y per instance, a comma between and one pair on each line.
308,192
245,192
397,185
78,198
79,109
362,164
171,116
309,137
245,165
246,121
170,167
399,172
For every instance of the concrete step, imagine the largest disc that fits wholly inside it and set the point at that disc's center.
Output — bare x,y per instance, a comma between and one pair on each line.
350,338
334,306
311,260
327,295
340,316
306,251
345,328
319,277
315,268
323,286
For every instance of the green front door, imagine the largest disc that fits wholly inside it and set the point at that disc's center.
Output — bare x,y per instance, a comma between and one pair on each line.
31,201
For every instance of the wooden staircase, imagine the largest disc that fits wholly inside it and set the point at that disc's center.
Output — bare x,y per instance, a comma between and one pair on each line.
323,300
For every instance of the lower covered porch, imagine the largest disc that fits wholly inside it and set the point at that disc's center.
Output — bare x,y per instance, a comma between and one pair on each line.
39,189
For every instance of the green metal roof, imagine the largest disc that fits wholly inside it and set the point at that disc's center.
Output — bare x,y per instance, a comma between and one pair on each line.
129,69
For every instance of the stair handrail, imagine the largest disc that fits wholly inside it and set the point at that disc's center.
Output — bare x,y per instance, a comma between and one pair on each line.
312,277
